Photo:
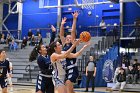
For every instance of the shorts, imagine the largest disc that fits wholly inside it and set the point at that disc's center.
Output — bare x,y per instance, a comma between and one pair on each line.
59,81
72,74
3,82
44,84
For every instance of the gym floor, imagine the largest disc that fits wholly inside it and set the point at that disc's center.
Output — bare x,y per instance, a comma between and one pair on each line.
31,89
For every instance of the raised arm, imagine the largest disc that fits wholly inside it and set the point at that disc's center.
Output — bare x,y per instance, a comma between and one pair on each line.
73,30
53,34
61,34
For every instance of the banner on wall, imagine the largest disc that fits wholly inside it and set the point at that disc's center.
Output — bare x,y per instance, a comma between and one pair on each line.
108,71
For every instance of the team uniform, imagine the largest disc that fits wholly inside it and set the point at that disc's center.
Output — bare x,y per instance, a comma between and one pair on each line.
59,73
44,79
72,69
4,68
9,78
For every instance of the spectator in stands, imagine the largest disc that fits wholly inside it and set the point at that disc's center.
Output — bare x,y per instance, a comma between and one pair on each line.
24,42
8,39
130,75
135,67
38,32
13,46
121,80
39,39
0,34
115,32
10,76
103,28
30,34
90,72
139,73
2,40
117,71
33,40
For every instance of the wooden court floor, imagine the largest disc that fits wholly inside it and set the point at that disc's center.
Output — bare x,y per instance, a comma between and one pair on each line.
31,89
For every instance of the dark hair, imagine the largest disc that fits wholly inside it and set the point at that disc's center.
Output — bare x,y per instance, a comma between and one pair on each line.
34,53
1,50
136,60
51,50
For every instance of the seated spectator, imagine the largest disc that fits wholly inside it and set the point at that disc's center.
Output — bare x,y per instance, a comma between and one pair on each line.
39,39
0,34
8,39
121,80
117,71
13,46
30,34
24,42
130,75
139,73
32,43
135,67
38,32
2,40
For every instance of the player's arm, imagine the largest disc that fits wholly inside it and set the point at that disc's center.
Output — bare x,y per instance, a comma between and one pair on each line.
95,70
61,34
73,30
53,34
75,55
8,70
86,70
55,57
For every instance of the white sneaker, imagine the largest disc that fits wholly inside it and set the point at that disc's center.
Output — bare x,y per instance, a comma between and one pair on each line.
11,89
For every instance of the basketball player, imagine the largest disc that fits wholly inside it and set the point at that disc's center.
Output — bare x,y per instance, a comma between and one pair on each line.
4,68
58,59
72,70
44,80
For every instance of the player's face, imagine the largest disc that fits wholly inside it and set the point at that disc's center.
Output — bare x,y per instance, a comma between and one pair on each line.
43,49
3,54
91,58
68,38
58,47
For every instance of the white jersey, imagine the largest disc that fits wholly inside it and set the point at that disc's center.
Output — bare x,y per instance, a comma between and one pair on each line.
59,72
10,64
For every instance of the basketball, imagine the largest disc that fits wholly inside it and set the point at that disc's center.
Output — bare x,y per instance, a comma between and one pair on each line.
85,36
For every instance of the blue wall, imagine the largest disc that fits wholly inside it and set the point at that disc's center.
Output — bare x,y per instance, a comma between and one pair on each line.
131,12
35,17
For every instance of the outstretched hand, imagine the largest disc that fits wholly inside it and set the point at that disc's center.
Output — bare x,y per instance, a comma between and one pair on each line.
87,44
53,28
75,14
63,20
76,42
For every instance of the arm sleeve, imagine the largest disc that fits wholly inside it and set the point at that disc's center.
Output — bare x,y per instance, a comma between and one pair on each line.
95,64
8,68
52,37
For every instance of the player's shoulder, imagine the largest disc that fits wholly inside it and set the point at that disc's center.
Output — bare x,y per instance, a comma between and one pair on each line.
7,61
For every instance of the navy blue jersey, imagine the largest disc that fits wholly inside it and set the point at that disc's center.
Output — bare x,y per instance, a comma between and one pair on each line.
72,69
69,60
4,68
44,65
